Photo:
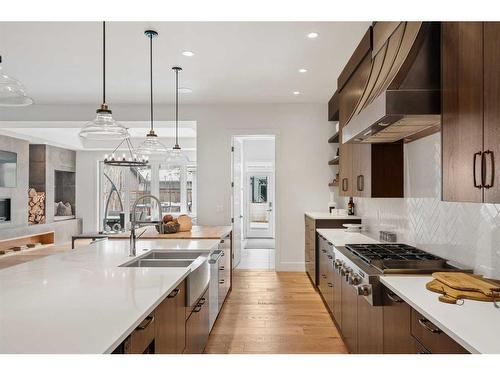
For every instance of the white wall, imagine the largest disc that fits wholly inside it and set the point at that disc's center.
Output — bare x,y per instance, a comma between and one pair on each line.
302,173
468,233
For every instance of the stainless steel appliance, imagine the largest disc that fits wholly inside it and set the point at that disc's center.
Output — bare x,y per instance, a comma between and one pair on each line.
213,301
357,292
362,264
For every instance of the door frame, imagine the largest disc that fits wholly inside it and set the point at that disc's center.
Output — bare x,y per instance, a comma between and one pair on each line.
272,133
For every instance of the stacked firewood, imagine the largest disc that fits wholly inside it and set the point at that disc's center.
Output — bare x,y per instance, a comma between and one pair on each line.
36,207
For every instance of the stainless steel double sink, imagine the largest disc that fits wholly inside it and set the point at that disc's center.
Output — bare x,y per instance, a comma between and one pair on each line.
199,277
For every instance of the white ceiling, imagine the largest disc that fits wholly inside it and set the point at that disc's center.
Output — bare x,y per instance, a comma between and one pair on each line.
65,133
234,62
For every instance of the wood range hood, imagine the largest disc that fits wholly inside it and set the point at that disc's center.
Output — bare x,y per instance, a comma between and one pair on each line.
401,99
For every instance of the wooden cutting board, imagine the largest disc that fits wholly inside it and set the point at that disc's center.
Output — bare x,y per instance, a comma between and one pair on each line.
457,285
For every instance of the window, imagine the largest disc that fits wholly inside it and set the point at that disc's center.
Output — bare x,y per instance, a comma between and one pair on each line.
120,187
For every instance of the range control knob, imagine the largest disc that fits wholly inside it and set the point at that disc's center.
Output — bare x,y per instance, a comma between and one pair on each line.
364,290
355,279
345,271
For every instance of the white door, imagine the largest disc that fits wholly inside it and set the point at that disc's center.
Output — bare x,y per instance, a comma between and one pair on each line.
260,204
237,200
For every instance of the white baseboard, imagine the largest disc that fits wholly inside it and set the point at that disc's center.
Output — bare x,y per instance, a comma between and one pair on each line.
291,267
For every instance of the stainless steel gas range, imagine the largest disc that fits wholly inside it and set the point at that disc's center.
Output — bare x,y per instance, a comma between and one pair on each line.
361,265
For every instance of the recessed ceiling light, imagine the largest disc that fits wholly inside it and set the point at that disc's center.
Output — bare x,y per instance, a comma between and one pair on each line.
313,35
185,90
302,70
296,93
188,53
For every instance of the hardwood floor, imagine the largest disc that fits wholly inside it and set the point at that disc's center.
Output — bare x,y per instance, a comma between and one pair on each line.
274,313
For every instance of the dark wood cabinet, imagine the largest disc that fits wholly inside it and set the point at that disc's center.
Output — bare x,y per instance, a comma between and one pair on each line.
397,325
326,277
370,323
337,296
491,151
198,327
349,313
170,328
311,247
431,338
470,111
462,110
323,267
225,270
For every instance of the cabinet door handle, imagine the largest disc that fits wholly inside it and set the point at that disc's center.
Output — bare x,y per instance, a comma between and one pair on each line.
202,301
360,182
221,268
323,250
323,276
173,293
427,325
483,167
330,257
345,184
394,298
221,281
146,323
330,285
197,309
476,185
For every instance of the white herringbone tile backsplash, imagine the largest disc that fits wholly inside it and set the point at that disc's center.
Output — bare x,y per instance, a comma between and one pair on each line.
468,233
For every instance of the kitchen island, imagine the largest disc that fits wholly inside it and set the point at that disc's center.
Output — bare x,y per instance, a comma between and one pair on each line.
82,301
197,232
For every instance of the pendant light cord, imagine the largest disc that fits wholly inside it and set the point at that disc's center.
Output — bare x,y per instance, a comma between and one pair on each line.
151,79
103,62
177,108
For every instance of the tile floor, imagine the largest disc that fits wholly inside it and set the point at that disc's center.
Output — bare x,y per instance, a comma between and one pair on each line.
257,259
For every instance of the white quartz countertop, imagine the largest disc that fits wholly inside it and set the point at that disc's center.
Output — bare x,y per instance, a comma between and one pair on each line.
474,325
340,237
81,301
329,216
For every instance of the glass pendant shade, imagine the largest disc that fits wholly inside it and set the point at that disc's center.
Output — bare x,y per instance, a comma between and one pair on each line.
152,148
176,159
12,92
104,127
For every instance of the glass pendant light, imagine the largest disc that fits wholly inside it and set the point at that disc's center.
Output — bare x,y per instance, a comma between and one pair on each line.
12,93
176,158
104,127
152,147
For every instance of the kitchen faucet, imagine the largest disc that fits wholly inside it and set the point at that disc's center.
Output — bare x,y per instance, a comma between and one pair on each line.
135,223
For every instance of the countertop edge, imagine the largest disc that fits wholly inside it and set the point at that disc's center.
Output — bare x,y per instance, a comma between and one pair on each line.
120,339
441,326
327,216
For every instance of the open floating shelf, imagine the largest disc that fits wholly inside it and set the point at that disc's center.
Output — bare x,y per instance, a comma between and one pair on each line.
334,138
334,161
